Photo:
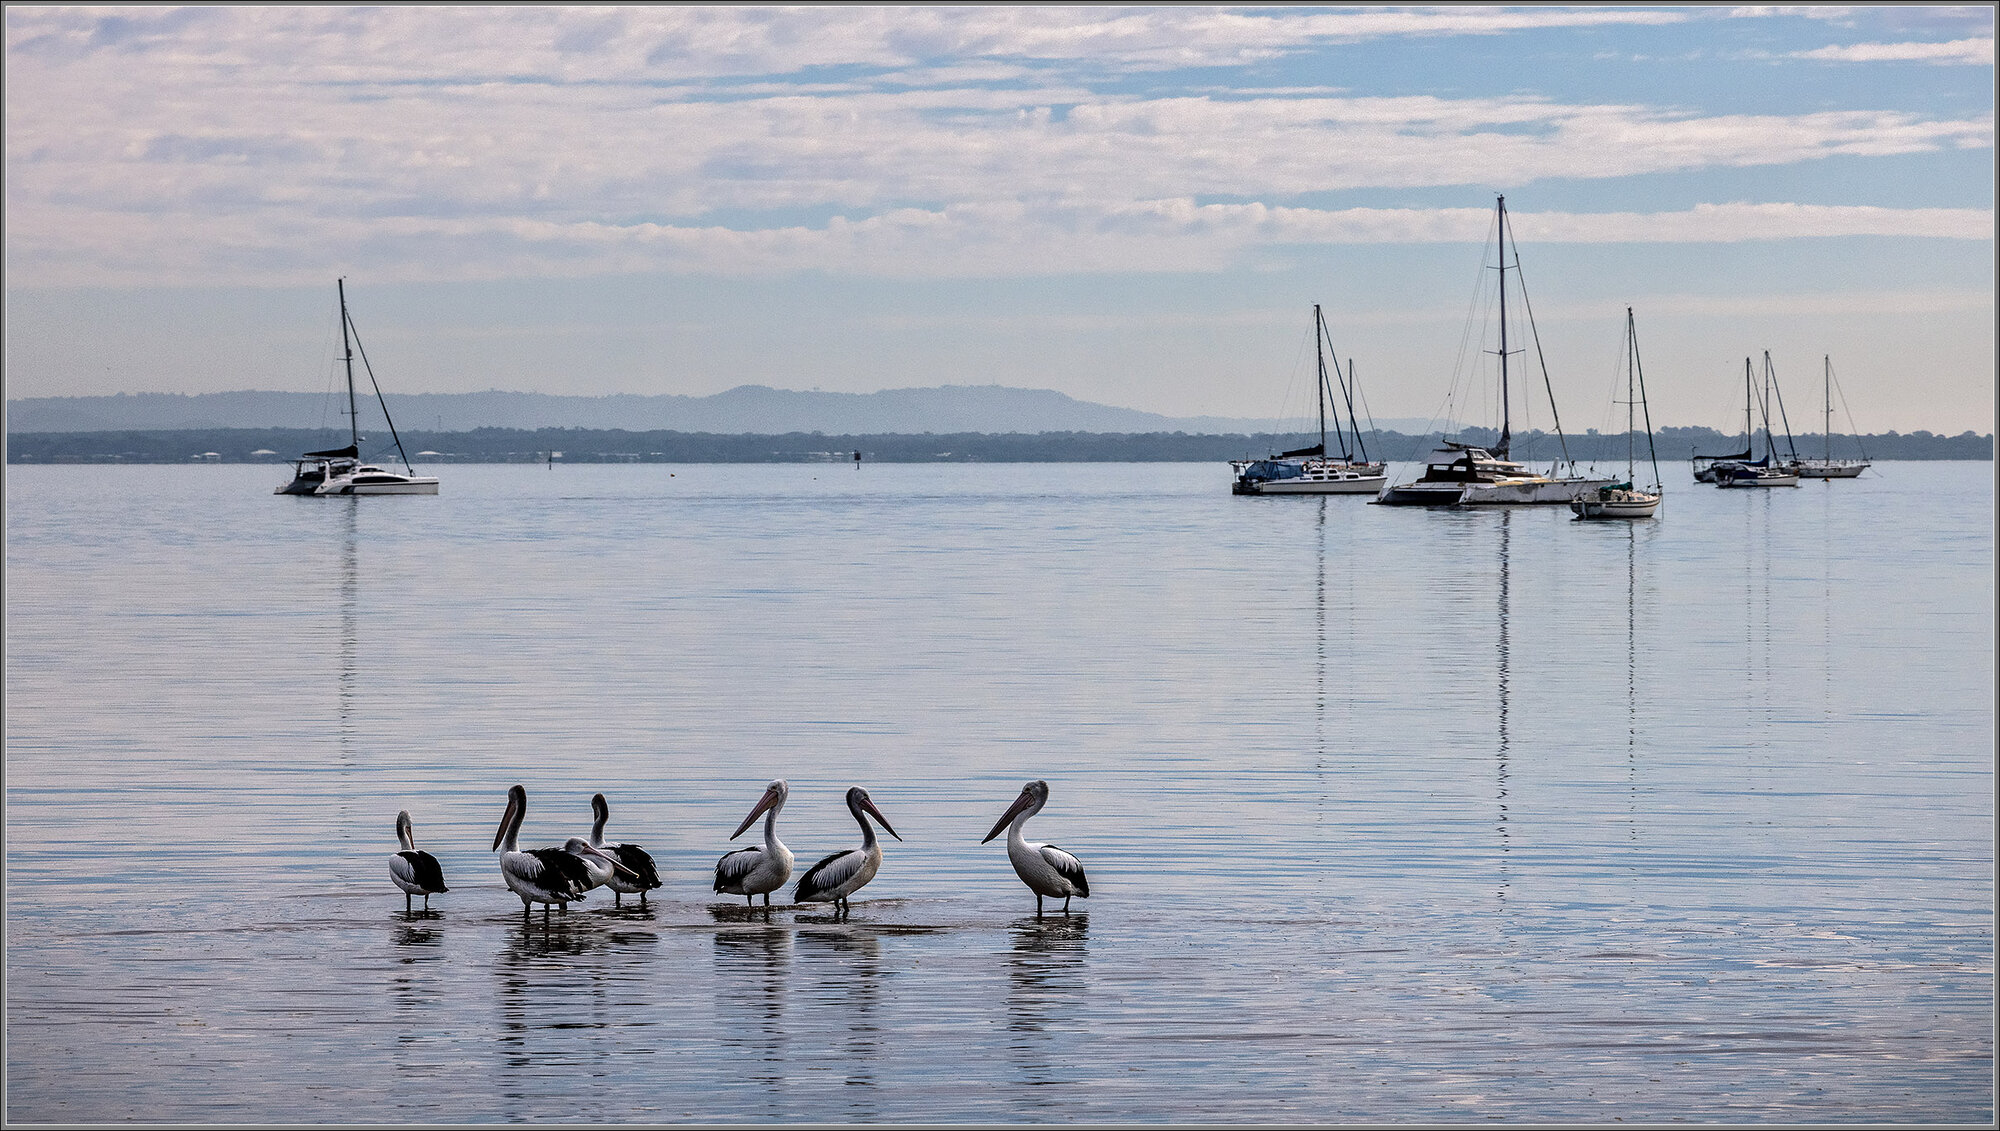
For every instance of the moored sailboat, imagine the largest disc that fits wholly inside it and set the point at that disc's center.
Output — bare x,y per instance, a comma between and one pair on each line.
1828,467
1766,472
340,471
1313,470
1463,474
1624,500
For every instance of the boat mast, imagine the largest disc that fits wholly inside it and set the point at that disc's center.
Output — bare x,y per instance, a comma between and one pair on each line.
1773,389
347,348
1319,349
1749,432
1631,363
1325,338
1347,387
1652,452
1500,247
1764,404
1826,431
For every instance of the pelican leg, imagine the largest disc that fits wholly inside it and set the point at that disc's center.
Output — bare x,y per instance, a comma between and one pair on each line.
1066,905
642,899
767,899
749,900
1038,905
406,903
617,899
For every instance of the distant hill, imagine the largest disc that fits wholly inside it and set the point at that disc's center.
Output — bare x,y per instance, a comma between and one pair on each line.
577,445
745,410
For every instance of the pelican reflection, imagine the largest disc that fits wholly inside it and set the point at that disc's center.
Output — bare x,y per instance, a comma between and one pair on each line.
1046,988
847,969
751,973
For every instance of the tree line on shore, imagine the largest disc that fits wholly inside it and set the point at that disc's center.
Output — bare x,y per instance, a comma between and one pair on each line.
577,445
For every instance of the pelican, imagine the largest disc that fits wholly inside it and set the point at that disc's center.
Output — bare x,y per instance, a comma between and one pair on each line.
759,869
413,870
842,874
539,875
635,859
1046,869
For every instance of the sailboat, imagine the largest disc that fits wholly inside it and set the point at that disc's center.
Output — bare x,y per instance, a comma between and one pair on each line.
1766,472
1828,467
339,471
1705,467
1461,474
1623,500
1311,470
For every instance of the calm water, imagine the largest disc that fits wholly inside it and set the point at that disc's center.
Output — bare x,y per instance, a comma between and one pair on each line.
1390,815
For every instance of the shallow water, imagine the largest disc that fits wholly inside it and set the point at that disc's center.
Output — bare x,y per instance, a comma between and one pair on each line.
1389,815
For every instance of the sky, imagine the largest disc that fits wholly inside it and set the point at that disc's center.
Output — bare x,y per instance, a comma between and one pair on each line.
1136,206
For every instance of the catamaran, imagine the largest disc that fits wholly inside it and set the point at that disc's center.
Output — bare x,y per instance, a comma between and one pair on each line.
340,471
1462,474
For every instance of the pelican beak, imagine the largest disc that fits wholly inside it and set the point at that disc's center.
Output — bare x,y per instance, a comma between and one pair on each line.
506,819
615,865
769,799
877,814
1020,803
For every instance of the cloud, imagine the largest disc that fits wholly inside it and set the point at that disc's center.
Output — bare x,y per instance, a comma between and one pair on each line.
1960,52
251,143
980,240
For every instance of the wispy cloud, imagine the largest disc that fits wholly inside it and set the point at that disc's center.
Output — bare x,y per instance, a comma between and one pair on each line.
1958,52
989,239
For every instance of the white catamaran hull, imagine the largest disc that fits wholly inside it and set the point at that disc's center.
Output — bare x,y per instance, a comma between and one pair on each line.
417,486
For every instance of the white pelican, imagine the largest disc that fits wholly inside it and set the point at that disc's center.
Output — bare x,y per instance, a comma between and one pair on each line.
840,875
414,870
1046,869
636,860
539,875
759,869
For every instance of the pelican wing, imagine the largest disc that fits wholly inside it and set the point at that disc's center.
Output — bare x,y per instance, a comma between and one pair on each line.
829,874
557,871
734,866
636,860
1066,866
421,868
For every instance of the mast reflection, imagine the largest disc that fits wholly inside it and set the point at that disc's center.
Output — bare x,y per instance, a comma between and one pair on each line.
1503,649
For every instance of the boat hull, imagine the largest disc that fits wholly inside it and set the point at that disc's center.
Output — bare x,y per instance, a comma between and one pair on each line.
1422,495
1354,485
1830,470
1616,504
1775,479
421,485
1531,492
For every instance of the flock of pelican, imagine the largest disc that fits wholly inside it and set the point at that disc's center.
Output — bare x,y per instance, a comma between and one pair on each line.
560,876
